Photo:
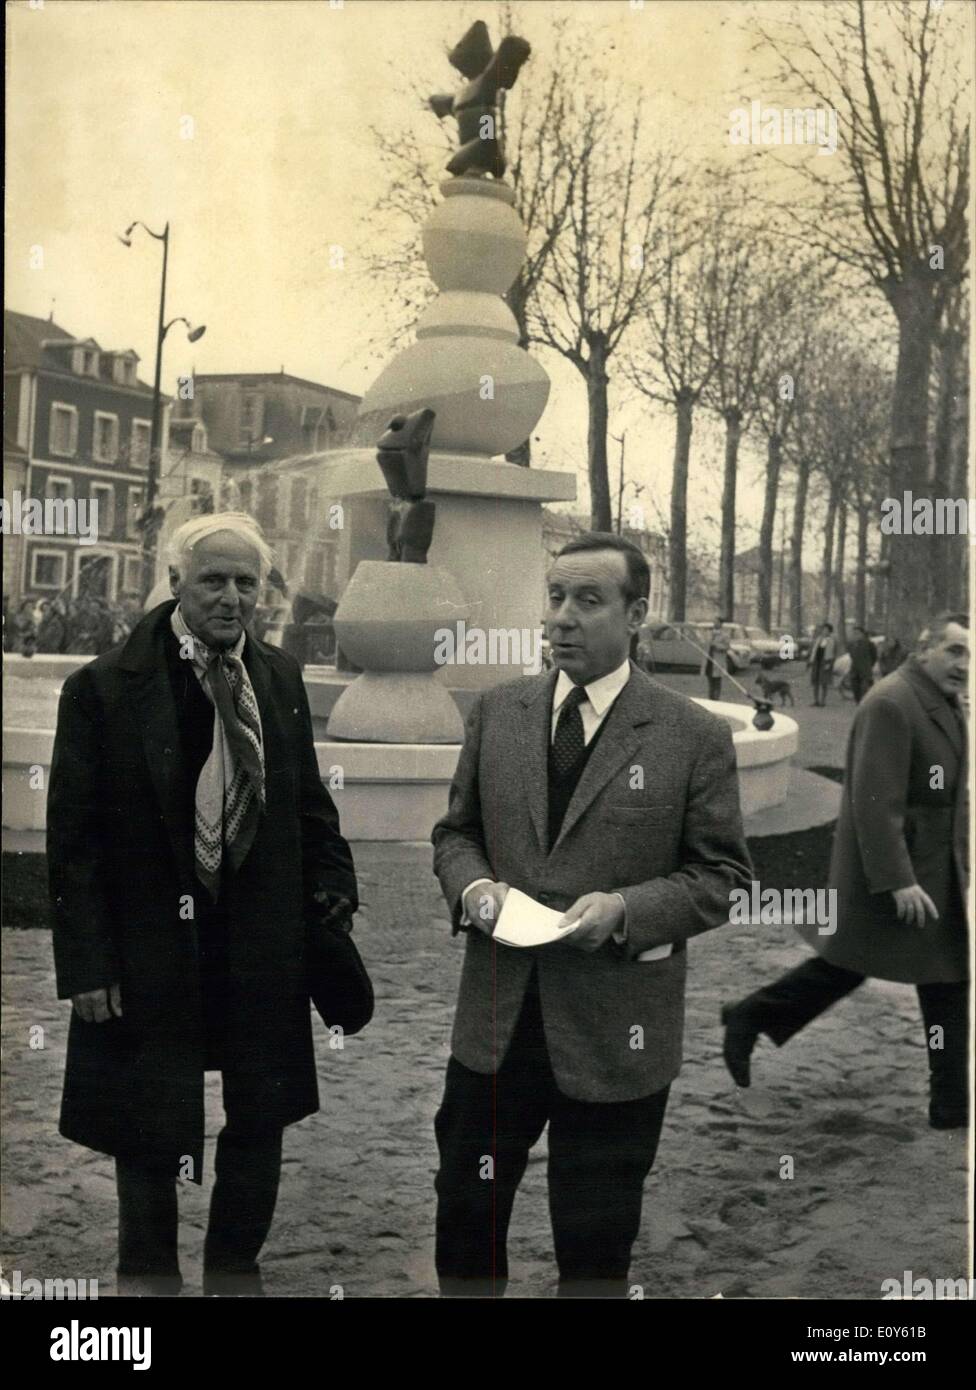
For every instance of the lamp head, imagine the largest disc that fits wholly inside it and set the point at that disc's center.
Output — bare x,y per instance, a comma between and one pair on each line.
195,334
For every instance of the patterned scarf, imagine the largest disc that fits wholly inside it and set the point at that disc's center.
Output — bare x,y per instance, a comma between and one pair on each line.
230,789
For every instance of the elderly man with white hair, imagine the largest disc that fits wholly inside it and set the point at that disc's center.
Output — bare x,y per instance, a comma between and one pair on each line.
190,844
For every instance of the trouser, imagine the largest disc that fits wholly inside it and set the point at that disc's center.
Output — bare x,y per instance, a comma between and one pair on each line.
599,1156
860,685
781,1009
248,1167
714,687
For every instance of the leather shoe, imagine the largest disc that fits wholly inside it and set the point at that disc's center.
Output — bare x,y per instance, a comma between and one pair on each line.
942,1116
737,1045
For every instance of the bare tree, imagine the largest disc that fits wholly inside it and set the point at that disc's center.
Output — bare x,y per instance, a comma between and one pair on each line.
542,168
669,362
600,267
895,207
733,309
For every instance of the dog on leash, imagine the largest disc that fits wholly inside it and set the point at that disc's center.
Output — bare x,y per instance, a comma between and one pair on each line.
771,688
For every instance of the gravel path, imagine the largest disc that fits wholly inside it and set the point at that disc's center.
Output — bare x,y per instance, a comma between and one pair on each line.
875,1192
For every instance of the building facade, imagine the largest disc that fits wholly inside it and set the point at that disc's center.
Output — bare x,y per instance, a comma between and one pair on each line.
260,424
79,420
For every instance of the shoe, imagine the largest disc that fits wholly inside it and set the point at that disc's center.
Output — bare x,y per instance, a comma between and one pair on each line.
737,1046
148,1285
226,1284
942,1116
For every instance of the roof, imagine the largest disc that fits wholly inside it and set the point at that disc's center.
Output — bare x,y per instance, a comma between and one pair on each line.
27,340
264,378
24,334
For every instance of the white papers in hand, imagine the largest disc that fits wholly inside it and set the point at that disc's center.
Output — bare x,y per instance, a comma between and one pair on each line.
524,922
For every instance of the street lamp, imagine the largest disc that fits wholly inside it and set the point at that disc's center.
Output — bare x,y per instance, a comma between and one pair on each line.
152,482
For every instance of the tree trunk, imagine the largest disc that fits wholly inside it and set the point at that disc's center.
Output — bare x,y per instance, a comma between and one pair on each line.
678,549
861,573
909,592
774,449
796,548
839,574
601,517
726,564
828,554
950,346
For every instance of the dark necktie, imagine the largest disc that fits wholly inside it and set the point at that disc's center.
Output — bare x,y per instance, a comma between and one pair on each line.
568,744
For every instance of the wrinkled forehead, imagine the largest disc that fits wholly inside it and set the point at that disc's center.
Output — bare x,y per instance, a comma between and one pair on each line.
223,552
605,570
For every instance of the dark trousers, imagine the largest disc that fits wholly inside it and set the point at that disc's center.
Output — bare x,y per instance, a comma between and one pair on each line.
599,1156
860,685
248,1167
715,687
781,1009
247,1172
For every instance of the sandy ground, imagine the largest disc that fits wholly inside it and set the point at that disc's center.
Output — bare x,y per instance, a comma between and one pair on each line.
875,1192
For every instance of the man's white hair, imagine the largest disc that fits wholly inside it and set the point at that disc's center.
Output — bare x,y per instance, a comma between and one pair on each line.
185,537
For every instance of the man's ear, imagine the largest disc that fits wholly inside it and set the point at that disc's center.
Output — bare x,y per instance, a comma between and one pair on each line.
174,581
637,612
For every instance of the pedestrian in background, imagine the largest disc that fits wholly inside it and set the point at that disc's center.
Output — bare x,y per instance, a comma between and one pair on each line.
823,654
863,656
900,871
716,661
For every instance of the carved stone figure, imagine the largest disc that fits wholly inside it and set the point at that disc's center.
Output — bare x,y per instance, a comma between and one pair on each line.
402,456
474,107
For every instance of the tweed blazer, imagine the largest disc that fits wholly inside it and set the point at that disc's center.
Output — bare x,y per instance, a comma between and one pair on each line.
655,816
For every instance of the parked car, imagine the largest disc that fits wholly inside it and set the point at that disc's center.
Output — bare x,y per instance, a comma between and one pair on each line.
680,646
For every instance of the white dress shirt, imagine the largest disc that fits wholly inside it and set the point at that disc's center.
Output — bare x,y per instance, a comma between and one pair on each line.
600,695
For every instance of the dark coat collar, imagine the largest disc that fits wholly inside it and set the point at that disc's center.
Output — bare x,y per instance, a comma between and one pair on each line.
142,652
936,704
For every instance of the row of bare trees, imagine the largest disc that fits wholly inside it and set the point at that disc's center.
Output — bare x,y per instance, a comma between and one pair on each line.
751,294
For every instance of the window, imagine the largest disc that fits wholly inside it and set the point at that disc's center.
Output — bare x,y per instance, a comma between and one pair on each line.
139,444
105,437
201,490
59,489
47,569
198,440
246,489
132,574
104,495
84,361
134,512
124,370
95,573
267,508
314,568
63,430
298,511
251,416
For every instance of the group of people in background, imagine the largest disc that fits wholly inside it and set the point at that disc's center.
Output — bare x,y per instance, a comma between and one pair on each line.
87,625
865,655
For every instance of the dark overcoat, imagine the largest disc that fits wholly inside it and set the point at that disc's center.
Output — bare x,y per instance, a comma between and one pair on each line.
900,823
126,900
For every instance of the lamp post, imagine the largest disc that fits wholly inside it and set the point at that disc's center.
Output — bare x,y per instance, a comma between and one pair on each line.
150,526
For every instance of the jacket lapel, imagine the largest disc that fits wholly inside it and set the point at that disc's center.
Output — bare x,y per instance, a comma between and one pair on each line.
532,734
618,742
152,694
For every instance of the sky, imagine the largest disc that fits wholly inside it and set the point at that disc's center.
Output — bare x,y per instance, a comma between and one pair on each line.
246,126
